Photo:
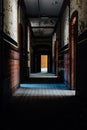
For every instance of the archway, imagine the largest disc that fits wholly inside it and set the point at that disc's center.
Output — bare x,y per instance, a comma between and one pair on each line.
73,41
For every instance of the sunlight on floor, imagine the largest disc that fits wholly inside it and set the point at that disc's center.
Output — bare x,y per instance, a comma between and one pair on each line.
43,92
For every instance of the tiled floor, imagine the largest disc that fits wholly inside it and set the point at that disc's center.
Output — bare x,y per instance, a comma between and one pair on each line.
43,75
43,92
44,85
48,106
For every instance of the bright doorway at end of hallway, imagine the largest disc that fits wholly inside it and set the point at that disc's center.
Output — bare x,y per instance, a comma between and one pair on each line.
44,63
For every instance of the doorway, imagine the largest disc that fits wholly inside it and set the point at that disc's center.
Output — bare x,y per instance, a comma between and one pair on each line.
44,63
73,42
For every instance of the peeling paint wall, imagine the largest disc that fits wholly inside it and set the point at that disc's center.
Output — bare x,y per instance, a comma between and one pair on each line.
11,19
65,27
53,43
81,7
11,55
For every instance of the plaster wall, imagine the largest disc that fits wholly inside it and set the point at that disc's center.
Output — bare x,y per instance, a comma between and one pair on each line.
81,7
65,27
10,28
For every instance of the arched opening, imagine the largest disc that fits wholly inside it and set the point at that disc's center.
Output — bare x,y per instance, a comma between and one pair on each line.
73,41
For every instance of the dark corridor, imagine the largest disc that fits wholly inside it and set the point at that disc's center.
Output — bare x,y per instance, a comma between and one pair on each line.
56,99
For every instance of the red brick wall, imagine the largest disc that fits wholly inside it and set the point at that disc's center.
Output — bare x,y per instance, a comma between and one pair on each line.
14,69
10,70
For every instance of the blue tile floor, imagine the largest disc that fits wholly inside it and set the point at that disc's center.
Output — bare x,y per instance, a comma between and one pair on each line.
48,86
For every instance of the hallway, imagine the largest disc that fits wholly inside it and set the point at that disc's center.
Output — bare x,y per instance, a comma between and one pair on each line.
43,64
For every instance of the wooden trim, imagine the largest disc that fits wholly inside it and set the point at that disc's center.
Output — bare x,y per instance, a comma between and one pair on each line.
82,36
9,39
4,42
82,41
64,50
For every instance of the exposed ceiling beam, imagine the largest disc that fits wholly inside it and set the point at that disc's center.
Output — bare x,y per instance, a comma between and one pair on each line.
40,14
43,27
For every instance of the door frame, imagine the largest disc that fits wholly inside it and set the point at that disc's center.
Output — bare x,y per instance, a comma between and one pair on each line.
73,31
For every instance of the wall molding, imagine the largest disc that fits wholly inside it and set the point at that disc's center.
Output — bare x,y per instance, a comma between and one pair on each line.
84,41
9,40
82,37
64,49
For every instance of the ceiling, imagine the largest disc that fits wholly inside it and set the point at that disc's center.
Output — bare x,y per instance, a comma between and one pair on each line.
43,16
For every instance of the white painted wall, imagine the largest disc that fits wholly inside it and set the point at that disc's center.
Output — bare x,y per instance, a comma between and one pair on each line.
65,27
11,18
53,42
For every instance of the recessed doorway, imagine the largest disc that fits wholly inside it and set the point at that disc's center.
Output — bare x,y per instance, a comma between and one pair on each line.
44,63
